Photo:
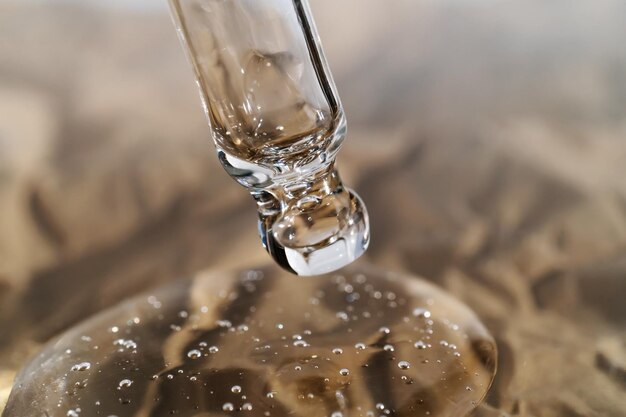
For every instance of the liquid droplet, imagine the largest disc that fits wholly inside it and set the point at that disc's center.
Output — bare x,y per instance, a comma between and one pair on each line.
335,358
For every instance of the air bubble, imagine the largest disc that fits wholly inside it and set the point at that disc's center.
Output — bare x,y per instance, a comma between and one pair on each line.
342,315
236,389
194,354
228,407
420,345
224,324
421,313
127,344
80,367
344,372
125,383
404,365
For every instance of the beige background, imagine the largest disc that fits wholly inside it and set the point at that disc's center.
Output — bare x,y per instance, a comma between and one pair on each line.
488,139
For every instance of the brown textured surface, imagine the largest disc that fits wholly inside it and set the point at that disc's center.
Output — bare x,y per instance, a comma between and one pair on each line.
487,138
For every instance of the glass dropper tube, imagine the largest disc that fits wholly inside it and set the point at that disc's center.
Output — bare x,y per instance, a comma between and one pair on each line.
277,123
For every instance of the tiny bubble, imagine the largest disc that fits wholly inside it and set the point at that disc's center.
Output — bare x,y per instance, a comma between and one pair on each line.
194,354
125,383
83,366
342,315
421,312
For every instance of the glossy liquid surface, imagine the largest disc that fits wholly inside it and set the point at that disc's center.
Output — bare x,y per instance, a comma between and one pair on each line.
261,343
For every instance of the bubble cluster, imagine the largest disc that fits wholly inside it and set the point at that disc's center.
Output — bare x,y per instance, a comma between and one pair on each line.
268,349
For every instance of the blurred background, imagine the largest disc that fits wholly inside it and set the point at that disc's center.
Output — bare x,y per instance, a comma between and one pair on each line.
487,137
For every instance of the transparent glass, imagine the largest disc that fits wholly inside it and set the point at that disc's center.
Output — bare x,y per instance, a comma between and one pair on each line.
277,123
